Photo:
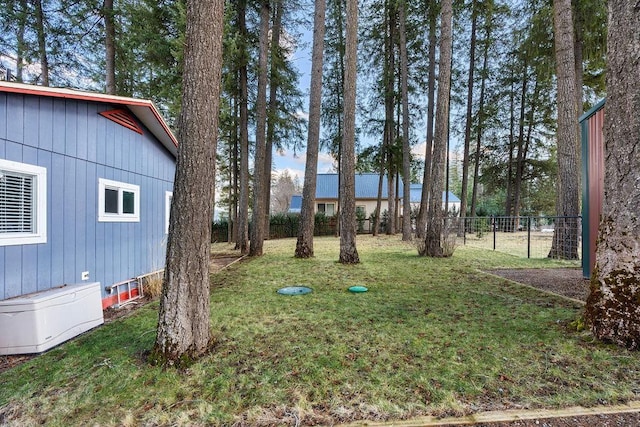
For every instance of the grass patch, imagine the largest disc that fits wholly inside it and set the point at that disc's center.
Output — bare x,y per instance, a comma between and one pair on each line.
432,336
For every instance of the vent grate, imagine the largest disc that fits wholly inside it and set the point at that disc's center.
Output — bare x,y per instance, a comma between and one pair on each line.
123,118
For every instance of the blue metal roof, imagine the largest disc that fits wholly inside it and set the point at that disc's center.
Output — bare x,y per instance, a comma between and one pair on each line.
296,204
367,188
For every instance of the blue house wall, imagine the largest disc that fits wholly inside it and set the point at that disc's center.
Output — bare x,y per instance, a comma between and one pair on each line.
77,146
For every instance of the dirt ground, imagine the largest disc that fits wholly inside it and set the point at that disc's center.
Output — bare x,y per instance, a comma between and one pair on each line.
605,420
563,281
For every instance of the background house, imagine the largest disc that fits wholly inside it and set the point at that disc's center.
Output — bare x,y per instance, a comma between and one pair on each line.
366,195
85,185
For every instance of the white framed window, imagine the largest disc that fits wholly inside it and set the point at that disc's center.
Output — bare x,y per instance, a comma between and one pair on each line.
168,196
118,201
23,203
329,209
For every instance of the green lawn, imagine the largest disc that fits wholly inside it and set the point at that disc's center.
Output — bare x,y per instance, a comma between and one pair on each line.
432,336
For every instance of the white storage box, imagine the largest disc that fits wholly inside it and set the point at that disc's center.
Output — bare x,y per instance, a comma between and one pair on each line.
36,322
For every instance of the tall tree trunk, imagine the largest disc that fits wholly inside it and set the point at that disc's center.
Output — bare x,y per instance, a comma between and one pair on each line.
304,244
520,153
21,45
260,186
110,46
348,251
481,113
613,307
183,320
565,235
406,145
378,217
242,241
42,42
235,167
421,221
512,138
433,238
272,112
469,117
389,102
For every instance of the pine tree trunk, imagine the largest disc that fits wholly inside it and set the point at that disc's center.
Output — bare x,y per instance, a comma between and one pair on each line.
183,320
565,235
613,307
348,251
110,46
242,241
378,217
481,113
272,112
433,238
260,187
21,45
406,146
469,117
304,244
421,221
42,43
389,101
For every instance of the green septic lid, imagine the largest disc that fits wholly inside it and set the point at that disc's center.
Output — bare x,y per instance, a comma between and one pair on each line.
358,289
294,290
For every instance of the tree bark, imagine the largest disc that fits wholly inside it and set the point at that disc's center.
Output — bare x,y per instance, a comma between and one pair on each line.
389,102
260,187
378,217
433,238
421,221
242,241
481,113
304,244
565,236
272,112
21,45
469,116
613,307
348,251
42,42
406,145
183,320
110,46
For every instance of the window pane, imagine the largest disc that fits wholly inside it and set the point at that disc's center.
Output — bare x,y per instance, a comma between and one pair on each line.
128,202
110,200
320,207
330,211
16,203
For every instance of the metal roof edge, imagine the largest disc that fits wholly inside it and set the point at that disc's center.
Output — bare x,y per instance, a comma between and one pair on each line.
592,110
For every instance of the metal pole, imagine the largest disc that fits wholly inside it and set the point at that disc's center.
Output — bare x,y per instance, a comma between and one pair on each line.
529,237
494,233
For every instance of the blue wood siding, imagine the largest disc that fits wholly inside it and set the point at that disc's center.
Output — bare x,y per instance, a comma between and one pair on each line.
77,146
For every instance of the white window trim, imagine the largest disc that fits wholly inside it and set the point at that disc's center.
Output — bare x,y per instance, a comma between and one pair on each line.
120,186
167,210
40,205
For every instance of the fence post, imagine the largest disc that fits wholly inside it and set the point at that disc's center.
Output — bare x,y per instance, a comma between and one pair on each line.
528,237
494,232
464,230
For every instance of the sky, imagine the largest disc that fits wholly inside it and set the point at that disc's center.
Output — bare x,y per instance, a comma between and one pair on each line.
295,164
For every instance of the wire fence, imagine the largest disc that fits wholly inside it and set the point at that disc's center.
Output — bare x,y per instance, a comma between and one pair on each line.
528,237
531,237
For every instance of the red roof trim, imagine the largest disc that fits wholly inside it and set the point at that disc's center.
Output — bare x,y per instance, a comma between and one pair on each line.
123,118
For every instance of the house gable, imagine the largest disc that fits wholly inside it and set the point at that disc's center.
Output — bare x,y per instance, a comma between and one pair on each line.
64,133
